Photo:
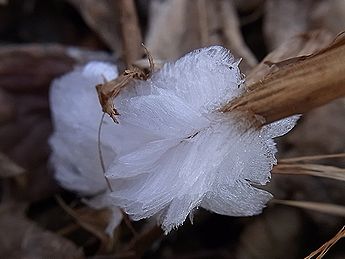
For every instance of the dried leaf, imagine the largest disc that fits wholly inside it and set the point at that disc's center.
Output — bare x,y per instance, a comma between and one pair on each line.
108,91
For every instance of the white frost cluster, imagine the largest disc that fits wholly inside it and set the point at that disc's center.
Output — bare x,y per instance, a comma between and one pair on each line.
173,151
76,116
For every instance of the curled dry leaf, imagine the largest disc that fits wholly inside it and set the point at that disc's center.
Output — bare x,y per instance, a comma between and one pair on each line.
109,90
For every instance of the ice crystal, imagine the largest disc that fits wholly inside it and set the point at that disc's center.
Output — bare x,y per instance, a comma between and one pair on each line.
173,151
76,116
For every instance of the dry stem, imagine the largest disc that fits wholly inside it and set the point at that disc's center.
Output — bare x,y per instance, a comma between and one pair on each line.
297,87
130,31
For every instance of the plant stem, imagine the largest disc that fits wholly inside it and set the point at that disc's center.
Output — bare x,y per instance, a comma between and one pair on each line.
130,31
296,87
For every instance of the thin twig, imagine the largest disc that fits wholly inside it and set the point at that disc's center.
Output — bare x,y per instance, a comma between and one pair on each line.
100,151
322,250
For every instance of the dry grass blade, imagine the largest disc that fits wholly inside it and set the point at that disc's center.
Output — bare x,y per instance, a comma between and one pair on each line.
311,158
330,172
332,209
298,87
322,250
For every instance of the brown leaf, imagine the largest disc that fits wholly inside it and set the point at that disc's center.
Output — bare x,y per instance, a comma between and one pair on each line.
108,91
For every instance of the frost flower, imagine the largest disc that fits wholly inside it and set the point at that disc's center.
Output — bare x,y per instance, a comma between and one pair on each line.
172,151
189,154
76,116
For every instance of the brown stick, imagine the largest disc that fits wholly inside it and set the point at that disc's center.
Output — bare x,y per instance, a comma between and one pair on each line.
297,87
130,31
